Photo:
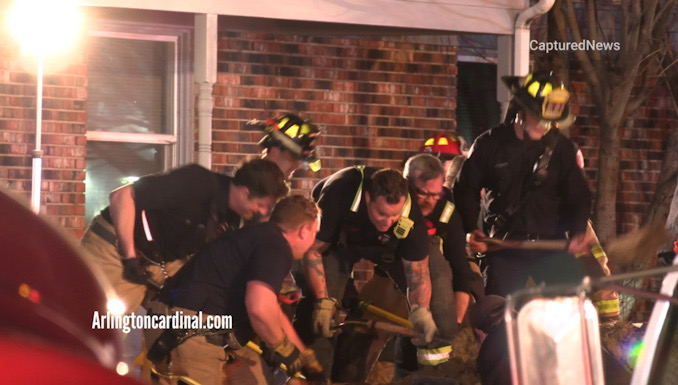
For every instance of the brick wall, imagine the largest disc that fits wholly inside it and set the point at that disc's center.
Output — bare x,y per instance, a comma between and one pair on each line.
375,100
63,132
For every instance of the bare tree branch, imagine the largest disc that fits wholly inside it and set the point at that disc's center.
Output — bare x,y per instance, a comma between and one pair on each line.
593,33
559,18
625,23
667,67
647,27
633,32
588,68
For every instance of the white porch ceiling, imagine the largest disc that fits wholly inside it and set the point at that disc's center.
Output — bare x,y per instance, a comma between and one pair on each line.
475,16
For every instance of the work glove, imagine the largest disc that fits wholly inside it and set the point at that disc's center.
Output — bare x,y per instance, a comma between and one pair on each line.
295,361
134,270
323,311
311,368
422,322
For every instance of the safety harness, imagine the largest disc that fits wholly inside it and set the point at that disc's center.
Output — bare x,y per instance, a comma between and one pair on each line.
401,230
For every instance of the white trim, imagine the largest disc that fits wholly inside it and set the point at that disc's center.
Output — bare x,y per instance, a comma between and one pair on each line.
476,59
130,137
133,36
479,16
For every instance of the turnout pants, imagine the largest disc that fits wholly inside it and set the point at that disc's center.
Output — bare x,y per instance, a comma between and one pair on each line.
100,244
508,270
205,363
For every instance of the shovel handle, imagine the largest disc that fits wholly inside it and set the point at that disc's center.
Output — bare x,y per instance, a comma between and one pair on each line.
390,328
498,244
383,313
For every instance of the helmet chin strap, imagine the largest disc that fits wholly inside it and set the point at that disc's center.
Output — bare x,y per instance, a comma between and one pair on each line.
545,124
526,135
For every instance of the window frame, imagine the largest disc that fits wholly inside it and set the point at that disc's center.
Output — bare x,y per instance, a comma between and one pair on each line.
181,103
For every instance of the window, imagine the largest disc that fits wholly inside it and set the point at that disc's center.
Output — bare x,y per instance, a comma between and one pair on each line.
477,106
139,105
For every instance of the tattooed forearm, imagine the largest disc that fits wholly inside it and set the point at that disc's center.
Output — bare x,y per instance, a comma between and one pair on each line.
314,270
418,282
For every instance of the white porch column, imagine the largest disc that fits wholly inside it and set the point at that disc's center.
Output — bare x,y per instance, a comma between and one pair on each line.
205,60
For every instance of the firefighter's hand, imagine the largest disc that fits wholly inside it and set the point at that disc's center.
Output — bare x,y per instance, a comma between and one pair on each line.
283,353
311,368
422,322
579,244
295,361
134,270
474,245
323,311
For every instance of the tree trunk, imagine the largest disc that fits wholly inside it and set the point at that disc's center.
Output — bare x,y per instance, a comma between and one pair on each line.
604,215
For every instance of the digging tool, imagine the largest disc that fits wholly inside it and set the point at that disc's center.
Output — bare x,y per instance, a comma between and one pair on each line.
626,249
389,328
494,244
635,247
402,326
368,307
173,377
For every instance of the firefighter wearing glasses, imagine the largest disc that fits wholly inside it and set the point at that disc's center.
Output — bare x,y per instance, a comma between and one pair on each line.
534,189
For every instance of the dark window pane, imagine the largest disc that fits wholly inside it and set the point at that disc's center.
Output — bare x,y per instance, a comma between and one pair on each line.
129,85
477,106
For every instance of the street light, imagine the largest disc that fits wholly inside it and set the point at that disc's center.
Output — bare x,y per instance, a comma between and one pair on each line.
42,28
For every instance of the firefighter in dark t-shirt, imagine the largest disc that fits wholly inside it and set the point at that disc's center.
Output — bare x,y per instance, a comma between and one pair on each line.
367,214
152,225
240,275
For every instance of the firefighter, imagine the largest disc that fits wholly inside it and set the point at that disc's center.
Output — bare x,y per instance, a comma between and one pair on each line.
153,225
533,188
367,214
444,147
239,276
453,281
424,172
289,142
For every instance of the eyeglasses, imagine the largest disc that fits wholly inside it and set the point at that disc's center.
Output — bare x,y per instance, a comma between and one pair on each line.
427,195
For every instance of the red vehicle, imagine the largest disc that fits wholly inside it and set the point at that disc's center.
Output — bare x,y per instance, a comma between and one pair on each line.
48,296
